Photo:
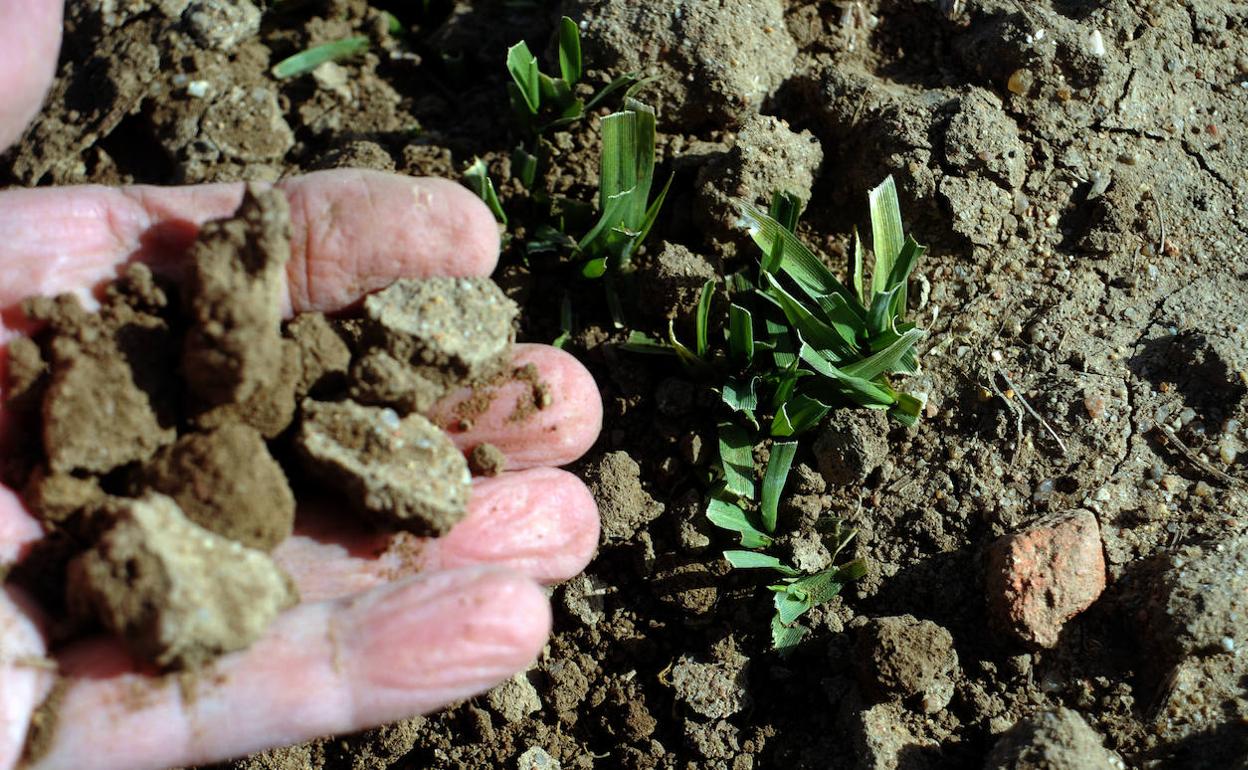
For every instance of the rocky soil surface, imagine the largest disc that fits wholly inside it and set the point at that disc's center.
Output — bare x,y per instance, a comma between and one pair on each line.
1055,551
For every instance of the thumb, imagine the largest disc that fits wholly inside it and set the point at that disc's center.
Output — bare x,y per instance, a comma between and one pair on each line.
30,36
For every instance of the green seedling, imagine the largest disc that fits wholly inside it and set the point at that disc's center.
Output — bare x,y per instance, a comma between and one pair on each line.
308,60
478,180
799,341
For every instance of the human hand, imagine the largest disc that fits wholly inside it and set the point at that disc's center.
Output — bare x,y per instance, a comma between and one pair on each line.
390,626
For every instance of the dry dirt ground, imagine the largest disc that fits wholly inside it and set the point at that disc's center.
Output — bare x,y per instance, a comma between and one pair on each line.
1079,171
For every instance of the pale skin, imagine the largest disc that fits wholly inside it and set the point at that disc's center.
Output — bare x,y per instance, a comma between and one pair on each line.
388,628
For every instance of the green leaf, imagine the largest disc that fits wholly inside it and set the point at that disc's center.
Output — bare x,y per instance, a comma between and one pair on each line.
702,321
832,339
522,65
860,391
880,316
906,410
594,268
773,481
852,570
687,357
306,61
791,603
783,352
785,209
736,452
524,166
477,177
565,323
611,215
740,333
799,262
886,232
623,81
785,638
731,517
640,342
798,414
569,51
741,396
756,560
652,213
911,252
856,258
886,360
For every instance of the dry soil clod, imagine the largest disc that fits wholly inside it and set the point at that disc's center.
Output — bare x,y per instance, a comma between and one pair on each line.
233,296
403,472
226,481
178,594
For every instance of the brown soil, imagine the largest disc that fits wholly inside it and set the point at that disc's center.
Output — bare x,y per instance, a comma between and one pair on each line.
1078,171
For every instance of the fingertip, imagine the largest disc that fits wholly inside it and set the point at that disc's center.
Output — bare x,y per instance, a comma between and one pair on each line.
476,232
30,36
542,523
434,640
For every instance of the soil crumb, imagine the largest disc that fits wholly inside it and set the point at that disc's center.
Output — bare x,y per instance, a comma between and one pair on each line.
43,724
487,460
227,482
177,594
535,399
404,472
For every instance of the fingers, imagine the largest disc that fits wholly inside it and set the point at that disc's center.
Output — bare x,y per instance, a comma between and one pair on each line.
353,231
556,434
542,523
17,529
325,668
24,677
30,36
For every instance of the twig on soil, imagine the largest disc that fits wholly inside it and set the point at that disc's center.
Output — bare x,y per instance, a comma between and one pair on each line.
1161,220
1018,418
1033,412
1201,463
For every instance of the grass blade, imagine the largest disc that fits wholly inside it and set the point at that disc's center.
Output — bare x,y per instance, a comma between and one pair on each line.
522,65
797,415
731,517
626,80
785,638
906,410
798,262
783,352
756,560
741,396
702,321
306,61
736,453
887,359
910,253
886,232
880,316
740,333
785,209
829,339
565,323
477,177
856,258
569,51
640,342
860,391
774,477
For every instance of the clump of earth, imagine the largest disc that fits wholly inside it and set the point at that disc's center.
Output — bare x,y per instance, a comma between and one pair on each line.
176,427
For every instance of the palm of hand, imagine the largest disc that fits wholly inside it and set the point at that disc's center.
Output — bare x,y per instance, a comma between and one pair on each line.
389,626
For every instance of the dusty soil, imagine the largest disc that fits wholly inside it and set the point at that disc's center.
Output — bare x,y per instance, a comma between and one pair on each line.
1078,171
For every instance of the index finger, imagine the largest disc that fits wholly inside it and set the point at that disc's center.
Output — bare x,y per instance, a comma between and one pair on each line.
353,231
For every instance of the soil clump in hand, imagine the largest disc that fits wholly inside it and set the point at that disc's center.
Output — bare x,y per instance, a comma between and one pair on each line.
172,431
